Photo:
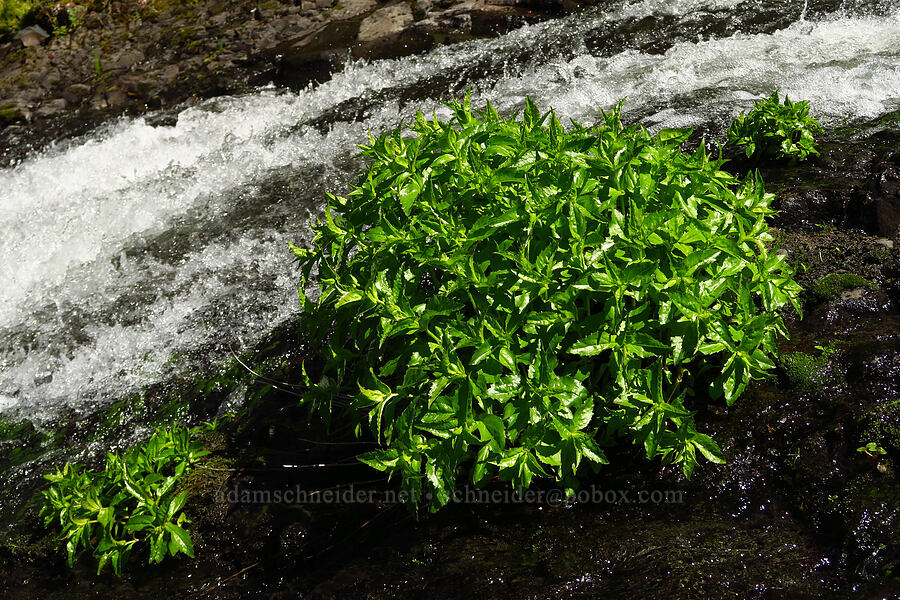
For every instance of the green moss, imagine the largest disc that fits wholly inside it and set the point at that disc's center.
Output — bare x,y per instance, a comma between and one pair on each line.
832,285
806,371
10,114
12,13
27,547
208,478
11,430
890,118
878,255
881,426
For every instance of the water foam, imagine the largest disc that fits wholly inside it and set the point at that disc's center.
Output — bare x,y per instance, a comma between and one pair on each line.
846,67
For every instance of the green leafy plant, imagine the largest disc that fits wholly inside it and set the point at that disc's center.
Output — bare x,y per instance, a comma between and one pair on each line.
776,131
513,296
872,449
76,14
133,499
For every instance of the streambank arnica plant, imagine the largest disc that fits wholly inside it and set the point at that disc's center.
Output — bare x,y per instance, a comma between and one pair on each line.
776,131
133,501
508,297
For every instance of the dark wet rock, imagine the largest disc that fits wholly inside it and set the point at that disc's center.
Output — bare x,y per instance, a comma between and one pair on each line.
832,261
316,55
875,368
852,184
790,515
568,554
643,33
846,310
843,314
79,90
887,190
863,301
832,189
796,512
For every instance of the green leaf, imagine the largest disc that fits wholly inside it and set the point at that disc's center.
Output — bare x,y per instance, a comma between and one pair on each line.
584,415
105,516
176,504
381,460
493,431
349,297
139,522
708,448
179,540
481,353
479,469
158,548
507,359
593,344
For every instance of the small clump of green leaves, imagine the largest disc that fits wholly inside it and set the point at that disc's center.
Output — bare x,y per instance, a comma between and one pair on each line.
508,297
777,131
132,500
872,449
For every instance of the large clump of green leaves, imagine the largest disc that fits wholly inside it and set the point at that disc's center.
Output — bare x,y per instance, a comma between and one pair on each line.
131,500
773,130
514,296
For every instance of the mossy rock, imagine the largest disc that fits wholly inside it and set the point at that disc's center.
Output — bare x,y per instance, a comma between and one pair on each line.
892,118
207,479
830,286
11,114
29,546
805,371
881,426
12,15
20,441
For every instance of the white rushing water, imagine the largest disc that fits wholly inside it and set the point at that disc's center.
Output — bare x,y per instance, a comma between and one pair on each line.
138,244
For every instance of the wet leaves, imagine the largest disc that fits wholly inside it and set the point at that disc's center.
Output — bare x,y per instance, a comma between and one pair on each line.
131,501
775,130
578,284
